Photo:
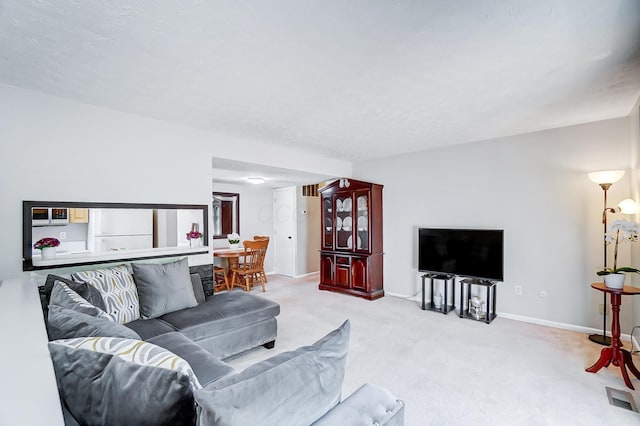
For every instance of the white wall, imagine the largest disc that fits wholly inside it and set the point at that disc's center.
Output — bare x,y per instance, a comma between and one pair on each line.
634,124
256,215
308,256
533,186
55,149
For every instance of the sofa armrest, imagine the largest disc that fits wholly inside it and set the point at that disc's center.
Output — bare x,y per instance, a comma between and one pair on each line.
370,405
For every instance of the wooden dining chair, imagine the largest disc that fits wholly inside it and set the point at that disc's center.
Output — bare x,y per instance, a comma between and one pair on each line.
220,281
251,268
262,238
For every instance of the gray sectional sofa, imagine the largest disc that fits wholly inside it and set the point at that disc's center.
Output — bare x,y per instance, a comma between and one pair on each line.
169,369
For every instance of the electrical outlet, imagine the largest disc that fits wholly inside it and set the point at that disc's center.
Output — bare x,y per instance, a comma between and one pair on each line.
518,290
543,294
63,236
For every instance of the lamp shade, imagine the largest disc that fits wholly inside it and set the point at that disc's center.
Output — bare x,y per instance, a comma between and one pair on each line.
606,176
628,206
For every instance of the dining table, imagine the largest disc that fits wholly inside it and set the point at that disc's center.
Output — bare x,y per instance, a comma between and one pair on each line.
232,257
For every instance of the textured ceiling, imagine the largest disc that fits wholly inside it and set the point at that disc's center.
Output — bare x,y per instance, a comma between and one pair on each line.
354,79
237,172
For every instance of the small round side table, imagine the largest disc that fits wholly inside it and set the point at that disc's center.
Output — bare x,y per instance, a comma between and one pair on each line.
614,353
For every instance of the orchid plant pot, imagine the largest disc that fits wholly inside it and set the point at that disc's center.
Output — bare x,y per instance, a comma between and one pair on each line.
234,241
48,252
195,242
614,280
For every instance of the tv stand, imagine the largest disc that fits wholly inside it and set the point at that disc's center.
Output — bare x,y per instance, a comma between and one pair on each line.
489,313
445,308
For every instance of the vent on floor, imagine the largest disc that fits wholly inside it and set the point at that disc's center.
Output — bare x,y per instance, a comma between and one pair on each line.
622,399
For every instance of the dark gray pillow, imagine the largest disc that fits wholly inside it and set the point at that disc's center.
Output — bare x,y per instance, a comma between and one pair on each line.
293,388
63,295
101,388
64,323
163,288
86,291
198,290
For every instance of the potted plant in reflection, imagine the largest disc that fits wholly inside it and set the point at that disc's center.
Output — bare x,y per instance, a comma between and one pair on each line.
195,238
620,230
234,240
47,247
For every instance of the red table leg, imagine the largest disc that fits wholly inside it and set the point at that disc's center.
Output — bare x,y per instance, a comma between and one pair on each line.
615,354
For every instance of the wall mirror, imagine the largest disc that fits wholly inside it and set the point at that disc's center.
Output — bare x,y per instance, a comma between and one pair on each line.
105,232
226,214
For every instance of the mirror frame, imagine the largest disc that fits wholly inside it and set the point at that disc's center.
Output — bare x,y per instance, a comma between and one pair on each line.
237,203
27,261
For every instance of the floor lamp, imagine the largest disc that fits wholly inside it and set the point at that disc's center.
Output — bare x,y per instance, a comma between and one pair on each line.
605,179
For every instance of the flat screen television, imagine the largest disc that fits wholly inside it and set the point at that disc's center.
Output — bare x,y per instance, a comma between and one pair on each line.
475,253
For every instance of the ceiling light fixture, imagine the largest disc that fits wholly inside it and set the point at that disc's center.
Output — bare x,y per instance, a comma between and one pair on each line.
255,180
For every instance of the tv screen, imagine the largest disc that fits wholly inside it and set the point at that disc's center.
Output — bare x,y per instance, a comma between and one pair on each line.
476,253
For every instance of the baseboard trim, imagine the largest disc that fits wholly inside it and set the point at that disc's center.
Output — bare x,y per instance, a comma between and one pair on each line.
308,274
555,324
561,325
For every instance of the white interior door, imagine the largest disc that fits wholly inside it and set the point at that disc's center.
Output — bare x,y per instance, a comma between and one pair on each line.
284,215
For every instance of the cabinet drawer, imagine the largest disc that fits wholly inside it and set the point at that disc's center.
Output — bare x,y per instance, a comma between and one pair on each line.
342,260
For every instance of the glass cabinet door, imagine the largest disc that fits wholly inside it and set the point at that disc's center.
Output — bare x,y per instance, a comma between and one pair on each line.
327,222
361,211
344,222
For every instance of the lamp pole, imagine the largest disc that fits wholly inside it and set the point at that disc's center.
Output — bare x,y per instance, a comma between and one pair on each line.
603,339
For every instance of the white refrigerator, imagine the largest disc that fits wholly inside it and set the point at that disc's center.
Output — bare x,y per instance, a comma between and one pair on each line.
120,229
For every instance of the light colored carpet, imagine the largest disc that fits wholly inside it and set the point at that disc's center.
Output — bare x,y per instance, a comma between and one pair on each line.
448,370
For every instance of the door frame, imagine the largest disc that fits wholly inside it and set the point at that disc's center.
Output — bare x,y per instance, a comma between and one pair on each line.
294,236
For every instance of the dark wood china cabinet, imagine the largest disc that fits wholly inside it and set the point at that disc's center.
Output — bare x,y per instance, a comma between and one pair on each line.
351,253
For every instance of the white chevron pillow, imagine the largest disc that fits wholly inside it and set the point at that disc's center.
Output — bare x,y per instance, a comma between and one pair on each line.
118,291
134,351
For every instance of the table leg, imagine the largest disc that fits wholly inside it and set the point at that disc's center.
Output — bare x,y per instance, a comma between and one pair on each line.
625,376
628,360
605,359
445,299
615,354
232,262
461,307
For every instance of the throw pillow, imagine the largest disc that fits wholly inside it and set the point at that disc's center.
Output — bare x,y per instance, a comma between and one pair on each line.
117,289
107,380
164,288
64,323
293,388
62,295
87,292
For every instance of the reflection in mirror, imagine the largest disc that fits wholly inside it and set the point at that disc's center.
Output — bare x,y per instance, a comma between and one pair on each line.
226,214
99,232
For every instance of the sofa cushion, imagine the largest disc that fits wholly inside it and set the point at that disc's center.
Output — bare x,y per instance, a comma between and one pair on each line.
293,388
86,291
117,289
148,328
64,323
163,288
206,366
62,295
110,381
226,311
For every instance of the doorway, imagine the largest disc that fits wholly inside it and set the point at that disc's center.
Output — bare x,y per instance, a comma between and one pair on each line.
285,232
